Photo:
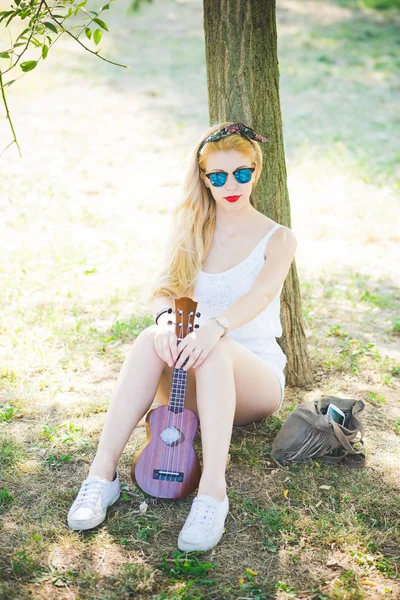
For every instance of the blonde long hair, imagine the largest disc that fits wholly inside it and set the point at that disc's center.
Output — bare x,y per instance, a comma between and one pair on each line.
194,217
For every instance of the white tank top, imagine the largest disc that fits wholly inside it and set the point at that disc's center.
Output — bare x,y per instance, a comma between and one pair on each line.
215,292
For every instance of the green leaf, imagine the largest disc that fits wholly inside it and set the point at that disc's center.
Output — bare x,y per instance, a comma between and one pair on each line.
88,33
36,42
5,13
97,36
28,65
105,7
50,26
21,35
15,14
9,82
4,55
45,51
101,23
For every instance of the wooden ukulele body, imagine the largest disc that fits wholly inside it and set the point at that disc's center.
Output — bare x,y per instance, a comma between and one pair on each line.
168,470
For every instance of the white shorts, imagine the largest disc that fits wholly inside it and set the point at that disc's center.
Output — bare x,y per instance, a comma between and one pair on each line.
273,356
279,373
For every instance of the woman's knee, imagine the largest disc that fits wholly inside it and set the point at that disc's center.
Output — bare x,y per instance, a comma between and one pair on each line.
146,335
144,341
149,331
219,353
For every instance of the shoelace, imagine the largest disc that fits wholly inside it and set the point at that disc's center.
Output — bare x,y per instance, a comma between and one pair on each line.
89,493
201,510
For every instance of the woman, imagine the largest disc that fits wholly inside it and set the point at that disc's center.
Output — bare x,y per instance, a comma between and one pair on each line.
234,363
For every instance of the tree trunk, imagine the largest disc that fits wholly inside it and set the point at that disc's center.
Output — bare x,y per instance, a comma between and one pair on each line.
243,86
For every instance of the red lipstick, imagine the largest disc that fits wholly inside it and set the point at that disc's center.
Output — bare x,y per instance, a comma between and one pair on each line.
232,198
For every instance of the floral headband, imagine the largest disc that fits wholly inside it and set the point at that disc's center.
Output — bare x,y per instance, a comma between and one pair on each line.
238,128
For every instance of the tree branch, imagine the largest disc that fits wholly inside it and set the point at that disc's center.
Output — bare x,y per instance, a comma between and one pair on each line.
83,45
8,116
29,40
34,20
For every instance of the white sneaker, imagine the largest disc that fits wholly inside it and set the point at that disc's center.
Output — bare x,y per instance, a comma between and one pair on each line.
90,506
204,525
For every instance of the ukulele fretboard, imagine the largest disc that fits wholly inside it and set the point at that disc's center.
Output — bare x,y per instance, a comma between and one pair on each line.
178,391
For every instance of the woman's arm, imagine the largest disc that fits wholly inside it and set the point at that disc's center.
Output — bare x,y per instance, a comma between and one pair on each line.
158,304
281,249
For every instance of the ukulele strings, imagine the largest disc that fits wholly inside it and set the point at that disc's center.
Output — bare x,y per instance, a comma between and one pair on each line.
179,417
178,378
166,446
167,449
184,376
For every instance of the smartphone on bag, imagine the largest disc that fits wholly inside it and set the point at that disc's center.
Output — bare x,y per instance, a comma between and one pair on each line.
337,415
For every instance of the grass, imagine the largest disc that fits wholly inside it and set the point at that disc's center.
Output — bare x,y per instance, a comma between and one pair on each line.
82,235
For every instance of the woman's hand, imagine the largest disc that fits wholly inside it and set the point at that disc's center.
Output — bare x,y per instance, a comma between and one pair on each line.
198,345
166,343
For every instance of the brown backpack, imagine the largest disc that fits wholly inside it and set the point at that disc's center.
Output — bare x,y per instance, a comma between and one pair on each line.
310,433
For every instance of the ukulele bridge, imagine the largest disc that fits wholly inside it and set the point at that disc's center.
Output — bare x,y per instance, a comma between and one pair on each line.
167,475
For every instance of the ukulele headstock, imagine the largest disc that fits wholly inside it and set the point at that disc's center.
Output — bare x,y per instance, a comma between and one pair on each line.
185,314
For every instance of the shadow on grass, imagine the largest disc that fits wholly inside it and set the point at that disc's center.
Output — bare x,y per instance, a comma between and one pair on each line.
300,528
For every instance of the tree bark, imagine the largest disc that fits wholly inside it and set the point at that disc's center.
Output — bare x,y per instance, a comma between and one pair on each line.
243,86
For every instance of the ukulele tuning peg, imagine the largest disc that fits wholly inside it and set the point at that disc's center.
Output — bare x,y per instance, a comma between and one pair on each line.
196,326
169,322
170,310
198,314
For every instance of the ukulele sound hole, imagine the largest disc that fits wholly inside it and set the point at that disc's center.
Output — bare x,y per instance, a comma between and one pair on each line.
171,435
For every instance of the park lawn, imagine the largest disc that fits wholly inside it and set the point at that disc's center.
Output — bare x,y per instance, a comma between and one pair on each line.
84,219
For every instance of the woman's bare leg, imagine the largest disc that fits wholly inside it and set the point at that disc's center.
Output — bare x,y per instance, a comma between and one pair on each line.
132,397
216,400
219,403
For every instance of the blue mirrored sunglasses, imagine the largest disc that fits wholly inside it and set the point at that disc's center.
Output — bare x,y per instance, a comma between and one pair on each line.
241,176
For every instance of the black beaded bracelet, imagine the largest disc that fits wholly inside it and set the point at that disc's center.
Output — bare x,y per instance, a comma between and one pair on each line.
164,310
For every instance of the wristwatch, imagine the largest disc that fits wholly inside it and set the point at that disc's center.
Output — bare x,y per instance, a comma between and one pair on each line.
223,321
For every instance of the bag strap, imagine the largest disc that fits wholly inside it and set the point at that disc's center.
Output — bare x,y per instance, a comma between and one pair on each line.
344,441
359,426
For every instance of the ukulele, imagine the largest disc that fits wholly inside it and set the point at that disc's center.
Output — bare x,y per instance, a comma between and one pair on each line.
167,466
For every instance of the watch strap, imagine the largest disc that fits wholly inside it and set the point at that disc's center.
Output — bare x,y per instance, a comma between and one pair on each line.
221,323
